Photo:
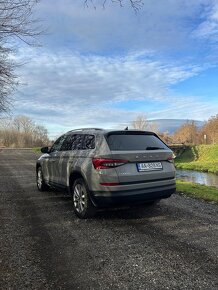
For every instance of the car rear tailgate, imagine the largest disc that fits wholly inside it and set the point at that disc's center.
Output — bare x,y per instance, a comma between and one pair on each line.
130,172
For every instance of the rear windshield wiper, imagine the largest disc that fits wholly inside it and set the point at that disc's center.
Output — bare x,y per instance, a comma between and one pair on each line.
153,148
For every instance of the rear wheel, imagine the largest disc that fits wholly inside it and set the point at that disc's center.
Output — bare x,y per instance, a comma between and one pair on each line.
41,185
82,204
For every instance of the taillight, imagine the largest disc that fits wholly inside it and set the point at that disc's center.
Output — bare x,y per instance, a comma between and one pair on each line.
104,163
171,158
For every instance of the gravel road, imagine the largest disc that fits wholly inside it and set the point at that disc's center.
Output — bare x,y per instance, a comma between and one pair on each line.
173,245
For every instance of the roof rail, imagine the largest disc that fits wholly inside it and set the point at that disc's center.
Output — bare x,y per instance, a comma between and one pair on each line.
86,129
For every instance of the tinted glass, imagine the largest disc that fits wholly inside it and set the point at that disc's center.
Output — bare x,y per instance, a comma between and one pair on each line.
73,142
78,142
67,144
89,142
134,142
57,144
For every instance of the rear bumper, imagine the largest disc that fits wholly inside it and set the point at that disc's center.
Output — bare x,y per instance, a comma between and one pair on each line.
106,198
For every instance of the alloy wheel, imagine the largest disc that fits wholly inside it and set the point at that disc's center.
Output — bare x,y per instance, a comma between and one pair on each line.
79,198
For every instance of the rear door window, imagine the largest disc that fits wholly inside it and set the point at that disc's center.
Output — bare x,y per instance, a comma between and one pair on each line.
131,142
78,142
73,142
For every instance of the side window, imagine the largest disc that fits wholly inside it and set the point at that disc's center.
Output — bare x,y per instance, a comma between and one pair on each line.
89,142
57,144
72,142
77,142
67,145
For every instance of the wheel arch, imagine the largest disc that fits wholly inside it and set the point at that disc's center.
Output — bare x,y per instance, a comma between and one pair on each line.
38,165
75,175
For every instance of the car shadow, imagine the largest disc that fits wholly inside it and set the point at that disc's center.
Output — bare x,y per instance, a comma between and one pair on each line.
121,212
129,212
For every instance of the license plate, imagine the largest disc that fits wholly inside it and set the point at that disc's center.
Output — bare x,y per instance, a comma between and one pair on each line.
149,166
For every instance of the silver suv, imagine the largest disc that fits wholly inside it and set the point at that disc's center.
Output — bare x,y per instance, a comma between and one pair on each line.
104,167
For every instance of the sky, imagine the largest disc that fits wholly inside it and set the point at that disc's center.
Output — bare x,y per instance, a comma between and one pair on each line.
103,66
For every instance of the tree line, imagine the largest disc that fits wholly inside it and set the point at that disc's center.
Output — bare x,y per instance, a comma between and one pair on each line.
189,133
22,132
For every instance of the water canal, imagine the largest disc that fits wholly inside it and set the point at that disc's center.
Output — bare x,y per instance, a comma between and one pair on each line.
205,178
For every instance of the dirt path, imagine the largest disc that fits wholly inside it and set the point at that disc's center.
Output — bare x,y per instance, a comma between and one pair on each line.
173,245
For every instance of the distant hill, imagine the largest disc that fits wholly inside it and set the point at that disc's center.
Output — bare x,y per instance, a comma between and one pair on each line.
171,125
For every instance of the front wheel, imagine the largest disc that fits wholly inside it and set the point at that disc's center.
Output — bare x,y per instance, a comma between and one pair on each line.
41,185
82,204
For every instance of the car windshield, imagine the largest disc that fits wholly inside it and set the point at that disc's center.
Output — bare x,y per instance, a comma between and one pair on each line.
130,142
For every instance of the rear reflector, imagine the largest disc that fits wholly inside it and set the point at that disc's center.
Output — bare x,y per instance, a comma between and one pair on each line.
109,183
104,163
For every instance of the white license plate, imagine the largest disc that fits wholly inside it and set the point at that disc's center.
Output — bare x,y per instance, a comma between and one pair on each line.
148,166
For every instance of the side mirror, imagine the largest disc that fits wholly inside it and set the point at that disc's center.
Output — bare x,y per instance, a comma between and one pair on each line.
45,149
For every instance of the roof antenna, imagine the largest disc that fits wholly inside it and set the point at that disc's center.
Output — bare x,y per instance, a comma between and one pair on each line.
126,128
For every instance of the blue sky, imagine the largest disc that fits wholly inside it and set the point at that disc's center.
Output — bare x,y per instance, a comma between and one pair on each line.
103,67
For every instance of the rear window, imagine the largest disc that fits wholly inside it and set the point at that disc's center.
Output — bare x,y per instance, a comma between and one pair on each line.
128,142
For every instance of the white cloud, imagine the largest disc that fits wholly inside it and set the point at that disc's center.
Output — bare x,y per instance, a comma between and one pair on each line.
114,56
208,28
159,25
73,90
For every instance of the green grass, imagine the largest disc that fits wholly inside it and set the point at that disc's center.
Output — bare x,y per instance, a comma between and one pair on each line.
201,158
208,193
37,149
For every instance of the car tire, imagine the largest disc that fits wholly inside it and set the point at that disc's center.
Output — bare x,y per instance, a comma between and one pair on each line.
41,185
82,204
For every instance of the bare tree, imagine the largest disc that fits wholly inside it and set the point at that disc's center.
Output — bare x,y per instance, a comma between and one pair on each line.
135,4
210,131
16,24
7,79
141,123
166,137
188,133
21,131
23,124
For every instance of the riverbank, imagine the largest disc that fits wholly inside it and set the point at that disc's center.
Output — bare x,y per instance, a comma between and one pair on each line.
201,158
208,193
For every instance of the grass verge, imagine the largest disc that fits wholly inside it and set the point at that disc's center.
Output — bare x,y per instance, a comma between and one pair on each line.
37,149
208,193
205,166
200,158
